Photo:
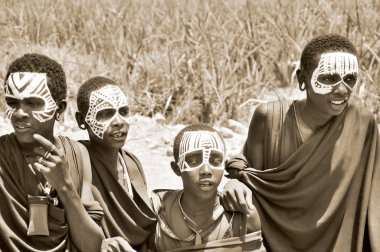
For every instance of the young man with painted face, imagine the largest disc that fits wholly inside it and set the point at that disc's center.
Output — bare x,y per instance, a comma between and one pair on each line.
118,178
193,218
313,164
45,181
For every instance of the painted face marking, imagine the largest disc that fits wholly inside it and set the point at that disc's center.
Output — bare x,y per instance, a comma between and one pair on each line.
340,63
107,97
201,147
21,85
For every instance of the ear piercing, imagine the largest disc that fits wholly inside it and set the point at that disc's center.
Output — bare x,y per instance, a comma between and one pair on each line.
303,86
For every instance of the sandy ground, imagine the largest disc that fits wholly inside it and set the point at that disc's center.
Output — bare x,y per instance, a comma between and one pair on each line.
150,139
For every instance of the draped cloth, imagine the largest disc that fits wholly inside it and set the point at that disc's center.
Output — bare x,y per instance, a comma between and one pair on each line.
323,194
131,218
227,233
16,182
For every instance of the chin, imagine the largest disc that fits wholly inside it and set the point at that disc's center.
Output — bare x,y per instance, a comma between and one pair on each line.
24,139
115,146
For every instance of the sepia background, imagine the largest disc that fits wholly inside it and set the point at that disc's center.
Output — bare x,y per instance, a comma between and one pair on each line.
186,61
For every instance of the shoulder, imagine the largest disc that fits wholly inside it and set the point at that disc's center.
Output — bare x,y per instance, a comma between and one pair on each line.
6,137
271,108
133,158
163,197
360,113
130,154
77,147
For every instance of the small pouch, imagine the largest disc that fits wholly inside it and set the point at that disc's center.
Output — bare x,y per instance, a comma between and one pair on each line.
38,215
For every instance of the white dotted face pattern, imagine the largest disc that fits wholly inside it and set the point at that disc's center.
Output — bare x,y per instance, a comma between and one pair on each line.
331,63
107,97
207,144
21,85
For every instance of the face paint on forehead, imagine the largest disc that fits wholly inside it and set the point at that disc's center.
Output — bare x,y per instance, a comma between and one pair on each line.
199,140
331,63
195,140
21,85
107,97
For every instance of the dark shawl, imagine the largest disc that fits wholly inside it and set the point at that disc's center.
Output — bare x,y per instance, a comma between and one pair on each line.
16,182
322,195
131,218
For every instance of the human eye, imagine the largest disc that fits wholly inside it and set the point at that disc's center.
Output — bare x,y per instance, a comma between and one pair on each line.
194,158
105,114
329,78
216,158
11,102
350,79
124,111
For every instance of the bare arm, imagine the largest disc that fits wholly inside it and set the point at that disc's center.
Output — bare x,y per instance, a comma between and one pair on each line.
85,233
254,146
236,196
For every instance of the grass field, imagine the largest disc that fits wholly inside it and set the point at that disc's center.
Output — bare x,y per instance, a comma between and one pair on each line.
194,60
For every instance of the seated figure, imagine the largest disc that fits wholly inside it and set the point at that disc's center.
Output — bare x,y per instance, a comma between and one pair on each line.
193,218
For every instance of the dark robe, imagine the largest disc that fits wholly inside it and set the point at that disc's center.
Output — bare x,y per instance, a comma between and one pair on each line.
16,182
320,195
131,218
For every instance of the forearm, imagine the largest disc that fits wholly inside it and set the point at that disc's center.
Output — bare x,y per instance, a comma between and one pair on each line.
253,221
85,233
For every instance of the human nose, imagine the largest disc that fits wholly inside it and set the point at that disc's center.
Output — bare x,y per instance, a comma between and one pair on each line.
341,88
20,112
118,121
205,169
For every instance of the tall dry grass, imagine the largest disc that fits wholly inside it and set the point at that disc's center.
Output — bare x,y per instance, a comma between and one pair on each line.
194,60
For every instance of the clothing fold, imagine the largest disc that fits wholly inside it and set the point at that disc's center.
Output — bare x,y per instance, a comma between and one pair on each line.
124,216
319,195
17,181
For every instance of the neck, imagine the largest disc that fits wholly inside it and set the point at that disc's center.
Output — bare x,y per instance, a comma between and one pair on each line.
195,204
312,116
107,155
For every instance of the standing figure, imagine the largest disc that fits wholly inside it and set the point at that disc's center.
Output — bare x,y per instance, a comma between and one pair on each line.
313,165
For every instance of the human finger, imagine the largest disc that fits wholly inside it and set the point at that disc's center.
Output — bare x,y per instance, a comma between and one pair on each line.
40,151
45,162
41,168
227,201
248,199
46,144
241,202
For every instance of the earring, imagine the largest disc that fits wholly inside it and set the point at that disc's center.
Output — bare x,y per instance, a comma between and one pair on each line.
82,126
58,117
303,86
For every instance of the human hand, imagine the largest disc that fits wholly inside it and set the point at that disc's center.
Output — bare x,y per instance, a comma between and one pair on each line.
50,161
235,164
116,244
237,197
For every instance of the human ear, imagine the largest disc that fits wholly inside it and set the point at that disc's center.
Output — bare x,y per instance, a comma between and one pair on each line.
301,80
80,120
175,168
60,110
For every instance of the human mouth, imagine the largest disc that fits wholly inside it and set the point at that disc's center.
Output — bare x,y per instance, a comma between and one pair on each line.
337,102
21,127
206,184
118,134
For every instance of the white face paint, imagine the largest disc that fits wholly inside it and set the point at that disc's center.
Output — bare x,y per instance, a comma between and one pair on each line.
340,63
21,85
107,97
198,148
